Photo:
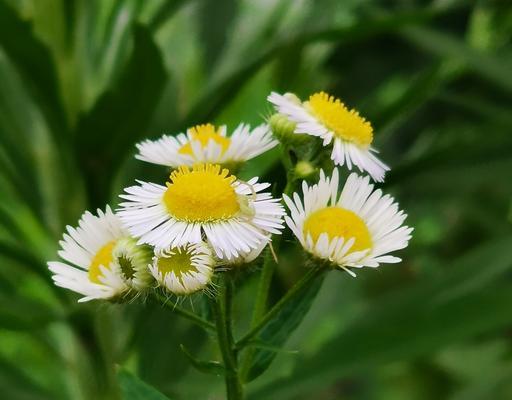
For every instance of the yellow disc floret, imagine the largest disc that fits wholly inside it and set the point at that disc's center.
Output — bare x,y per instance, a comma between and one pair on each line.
338,222
201,194
346,124
179,262
104,257
203,134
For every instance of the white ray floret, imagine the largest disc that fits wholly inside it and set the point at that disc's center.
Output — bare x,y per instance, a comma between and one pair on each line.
201,203
207,144
329,119
247,256
185,269
102,260
357,228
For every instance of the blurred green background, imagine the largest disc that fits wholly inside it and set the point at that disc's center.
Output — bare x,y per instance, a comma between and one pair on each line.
82,80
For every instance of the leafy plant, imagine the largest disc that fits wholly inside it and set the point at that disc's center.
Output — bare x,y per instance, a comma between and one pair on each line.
82,81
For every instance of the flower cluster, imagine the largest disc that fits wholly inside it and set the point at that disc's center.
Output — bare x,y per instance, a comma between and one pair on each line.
175,234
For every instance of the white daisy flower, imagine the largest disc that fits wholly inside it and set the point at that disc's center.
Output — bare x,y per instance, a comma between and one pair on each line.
185,269
207,144
201,203
358,228
102,260
328,118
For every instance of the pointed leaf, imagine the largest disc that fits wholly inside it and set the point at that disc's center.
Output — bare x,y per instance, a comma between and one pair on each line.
279,329
132,388
207,367
467,301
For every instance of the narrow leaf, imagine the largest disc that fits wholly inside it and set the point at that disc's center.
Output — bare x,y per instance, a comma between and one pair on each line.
33,61
207,367
279,329
132,388
465,302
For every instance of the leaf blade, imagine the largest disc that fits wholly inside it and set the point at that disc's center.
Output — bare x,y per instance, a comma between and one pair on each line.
132,388
465,302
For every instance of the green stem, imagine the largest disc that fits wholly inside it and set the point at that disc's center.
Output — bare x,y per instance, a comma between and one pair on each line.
290,171
295,290
206,325
269,267
222,310
260,304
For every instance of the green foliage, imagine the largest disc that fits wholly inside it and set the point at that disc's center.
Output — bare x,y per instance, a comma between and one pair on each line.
133,388
278,329
81,81
109,131
416,321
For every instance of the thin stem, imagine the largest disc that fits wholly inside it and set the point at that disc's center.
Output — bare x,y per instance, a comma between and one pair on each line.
222,310
269,267
296,289
206,325
260,304
289,166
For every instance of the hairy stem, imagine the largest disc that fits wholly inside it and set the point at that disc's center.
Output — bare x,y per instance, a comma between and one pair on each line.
222,310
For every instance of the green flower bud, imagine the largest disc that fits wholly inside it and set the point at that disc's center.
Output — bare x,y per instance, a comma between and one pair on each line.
133,260
283,129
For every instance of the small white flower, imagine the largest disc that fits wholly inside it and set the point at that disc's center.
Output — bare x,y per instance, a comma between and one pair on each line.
207,144
357,228
185,269
102,260
326,117
201,203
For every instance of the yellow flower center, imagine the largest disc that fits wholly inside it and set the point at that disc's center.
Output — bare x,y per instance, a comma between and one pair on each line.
104,257
346,124
203,134
338,222
180,262
201,194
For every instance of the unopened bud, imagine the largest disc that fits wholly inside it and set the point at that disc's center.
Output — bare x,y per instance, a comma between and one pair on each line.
284,130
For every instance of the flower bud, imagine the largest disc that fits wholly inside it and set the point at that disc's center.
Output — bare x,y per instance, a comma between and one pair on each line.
284,130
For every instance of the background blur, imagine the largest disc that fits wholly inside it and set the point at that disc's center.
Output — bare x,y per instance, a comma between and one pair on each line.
82,80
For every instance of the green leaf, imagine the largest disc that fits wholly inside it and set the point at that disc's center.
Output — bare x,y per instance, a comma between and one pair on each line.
457,156
496,70
132,388
106,135
15,384
24,314
215,35
213,100
31,158
207,367
25,258
34,63
164,13
258,344
279,329
465,302
164,365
